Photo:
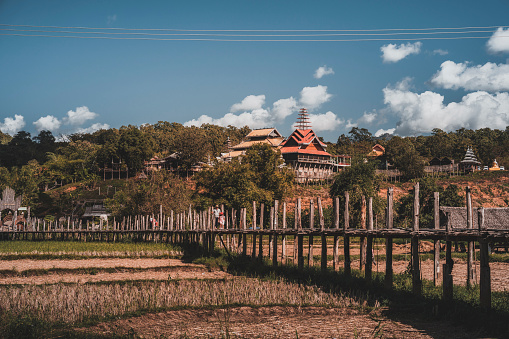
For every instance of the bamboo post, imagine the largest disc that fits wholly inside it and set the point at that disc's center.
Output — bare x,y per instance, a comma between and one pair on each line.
369,243
436,251
388,242
271,239
362,243
243,214
470,250
335,249
300,237
253,254
346,241
485,277
283,237
323,239
416,271
311,227
274,244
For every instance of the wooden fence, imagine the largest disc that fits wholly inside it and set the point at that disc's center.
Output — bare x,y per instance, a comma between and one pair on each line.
199,227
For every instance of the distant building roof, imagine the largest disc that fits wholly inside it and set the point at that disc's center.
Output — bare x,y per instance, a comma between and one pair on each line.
494,218
469,158
377,151
97,210
264,132
304,142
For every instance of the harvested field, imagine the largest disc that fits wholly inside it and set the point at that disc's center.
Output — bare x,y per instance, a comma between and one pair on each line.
274,322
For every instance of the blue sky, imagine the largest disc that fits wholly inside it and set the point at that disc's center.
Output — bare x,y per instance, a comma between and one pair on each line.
402,85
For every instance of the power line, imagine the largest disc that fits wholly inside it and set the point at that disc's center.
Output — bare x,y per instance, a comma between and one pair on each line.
257,30
251,40
245,35
233,35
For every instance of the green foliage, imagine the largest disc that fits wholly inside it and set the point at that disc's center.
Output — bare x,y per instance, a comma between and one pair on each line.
144,196
427,186
358,180
402,153
256,177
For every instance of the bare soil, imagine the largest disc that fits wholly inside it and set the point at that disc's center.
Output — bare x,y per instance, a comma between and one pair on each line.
274,322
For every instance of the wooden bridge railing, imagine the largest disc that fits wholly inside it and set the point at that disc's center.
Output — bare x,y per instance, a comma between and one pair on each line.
199,227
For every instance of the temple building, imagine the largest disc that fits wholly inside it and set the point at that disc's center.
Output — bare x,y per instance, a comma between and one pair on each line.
470,162
269,136
307,155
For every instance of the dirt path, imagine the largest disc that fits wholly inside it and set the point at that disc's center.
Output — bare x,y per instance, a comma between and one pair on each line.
273,322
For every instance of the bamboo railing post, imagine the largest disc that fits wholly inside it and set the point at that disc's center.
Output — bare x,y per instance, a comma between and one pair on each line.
346,241
243,216
283,237
436,250
300,237
388,242
323,239
362,243
369,243
253,254
311,227
485,274
335,254
470,250
416,271
271,238
260,237
274,244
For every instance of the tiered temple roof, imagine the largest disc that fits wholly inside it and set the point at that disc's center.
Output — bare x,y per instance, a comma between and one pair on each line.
470,158
304,142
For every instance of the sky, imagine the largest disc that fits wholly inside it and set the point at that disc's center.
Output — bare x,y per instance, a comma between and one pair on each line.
397,67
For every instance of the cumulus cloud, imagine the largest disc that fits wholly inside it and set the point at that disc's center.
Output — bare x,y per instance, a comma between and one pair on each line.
253,112
499,41
80,116
314,97
12,126
487,77
325,122
367,118
420,113
395,53
322,71
381,132
48,123
93,128
249,103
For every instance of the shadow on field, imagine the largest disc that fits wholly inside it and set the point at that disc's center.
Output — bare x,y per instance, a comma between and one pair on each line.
424,312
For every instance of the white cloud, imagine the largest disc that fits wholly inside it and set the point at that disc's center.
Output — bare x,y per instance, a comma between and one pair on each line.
249,103
420,113
499,41
384,131
313,97
283,108
488,77
93,128
395,53
80,116
324,122
440,52
367,118
12,126
256,115
322,71
48,123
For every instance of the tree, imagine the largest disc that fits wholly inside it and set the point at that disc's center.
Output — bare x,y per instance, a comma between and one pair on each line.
360,179
403,155
256,177
427,186
144,196
134,148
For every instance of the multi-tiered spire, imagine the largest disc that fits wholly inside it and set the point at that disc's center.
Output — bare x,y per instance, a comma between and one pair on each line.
303,120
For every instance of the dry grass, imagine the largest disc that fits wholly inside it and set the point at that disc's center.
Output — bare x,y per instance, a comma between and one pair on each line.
76,303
